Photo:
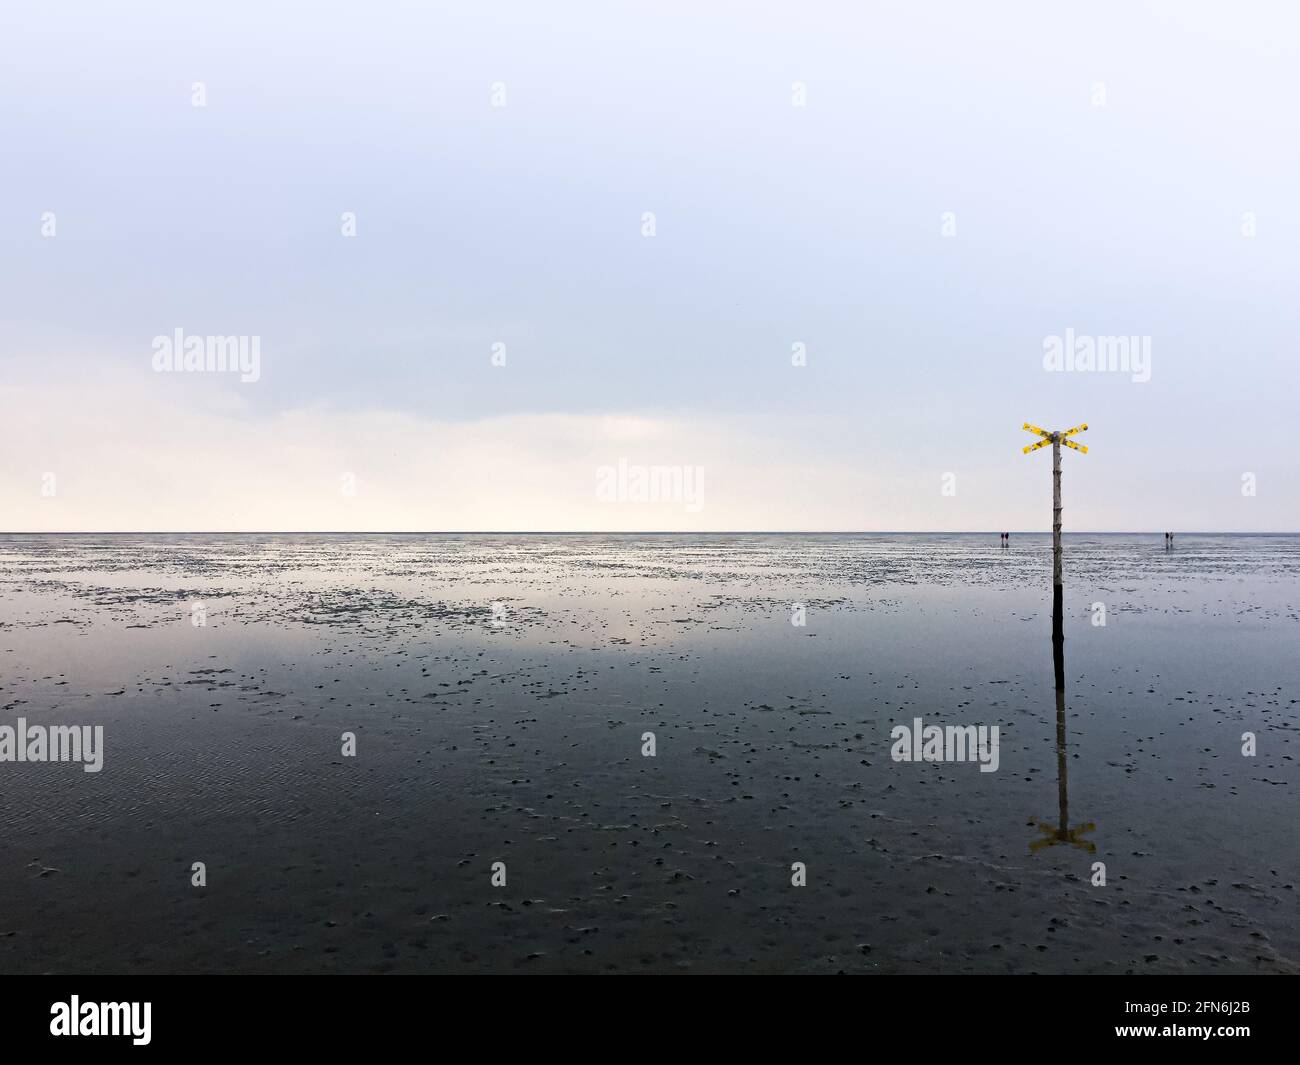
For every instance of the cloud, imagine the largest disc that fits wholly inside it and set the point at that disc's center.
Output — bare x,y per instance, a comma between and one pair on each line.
170,453
106,451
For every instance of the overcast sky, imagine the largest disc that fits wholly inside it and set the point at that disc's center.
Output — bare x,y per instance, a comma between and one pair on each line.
921,195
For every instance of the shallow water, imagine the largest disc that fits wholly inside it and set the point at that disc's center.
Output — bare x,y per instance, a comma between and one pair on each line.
499,688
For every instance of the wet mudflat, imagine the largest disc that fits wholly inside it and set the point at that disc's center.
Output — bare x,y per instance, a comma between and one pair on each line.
500,687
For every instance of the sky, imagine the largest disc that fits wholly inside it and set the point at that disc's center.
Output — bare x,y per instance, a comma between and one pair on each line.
662,266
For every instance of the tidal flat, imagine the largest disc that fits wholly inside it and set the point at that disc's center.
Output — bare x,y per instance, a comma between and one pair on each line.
500,689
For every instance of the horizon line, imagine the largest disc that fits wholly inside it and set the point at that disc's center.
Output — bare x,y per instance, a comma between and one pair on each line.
635,532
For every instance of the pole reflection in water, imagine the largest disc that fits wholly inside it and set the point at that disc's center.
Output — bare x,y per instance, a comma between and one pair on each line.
1061,832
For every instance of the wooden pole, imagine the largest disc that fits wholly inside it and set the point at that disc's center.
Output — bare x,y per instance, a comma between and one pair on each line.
1058,632
1058,642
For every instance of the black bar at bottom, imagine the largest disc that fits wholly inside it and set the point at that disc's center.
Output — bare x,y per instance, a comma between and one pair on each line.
341,1014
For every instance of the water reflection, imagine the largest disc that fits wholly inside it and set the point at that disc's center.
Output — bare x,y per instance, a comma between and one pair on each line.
1061,832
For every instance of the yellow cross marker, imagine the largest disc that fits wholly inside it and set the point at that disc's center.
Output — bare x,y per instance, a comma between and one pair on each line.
1055,438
